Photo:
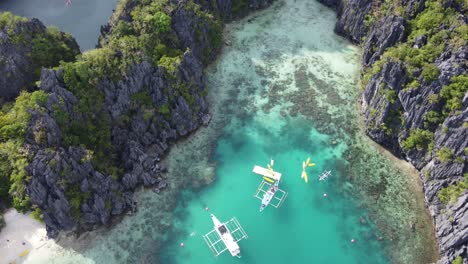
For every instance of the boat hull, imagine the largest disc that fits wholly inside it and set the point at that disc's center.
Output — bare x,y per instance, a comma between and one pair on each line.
226,236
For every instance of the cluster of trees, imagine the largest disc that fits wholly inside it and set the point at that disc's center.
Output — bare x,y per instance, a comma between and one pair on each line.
427,23
50,48
93,129
148,35
419,139
451,193
454,92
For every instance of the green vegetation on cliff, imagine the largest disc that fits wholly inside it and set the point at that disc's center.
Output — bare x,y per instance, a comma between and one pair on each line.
433,16
458,260
453,93
444,154
451,193
93,130
45,46
37,215
419,139
8,23
14,156
210,21
50,48
149,35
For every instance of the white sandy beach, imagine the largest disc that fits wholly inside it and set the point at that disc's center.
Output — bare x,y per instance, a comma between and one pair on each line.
21,228
19,237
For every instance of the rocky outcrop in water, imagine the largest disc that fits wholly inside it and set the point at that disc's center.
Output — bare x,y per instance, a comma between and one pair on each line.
109,117
416,97
21,45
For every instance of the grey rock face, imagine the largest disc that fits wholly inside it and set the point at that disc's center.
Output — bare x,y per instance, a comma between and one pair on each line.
382,113
351,18
18,70
16,67
420,41
452,229
384,34
193,32
380,108
72,194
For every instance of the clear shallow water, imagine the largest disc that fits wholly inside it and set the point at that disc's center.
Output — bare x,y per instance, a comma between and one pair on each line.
266,66
82,18
285,87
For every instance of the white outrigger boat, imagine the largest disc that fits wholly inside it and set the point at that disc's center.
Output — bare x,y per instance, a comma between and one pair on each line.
268,195
324,175
225,236
268,191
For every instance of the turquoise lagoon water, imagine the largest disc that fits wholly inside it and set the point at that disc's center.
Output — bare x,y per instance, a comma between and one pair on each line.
308,228
285,87
82,18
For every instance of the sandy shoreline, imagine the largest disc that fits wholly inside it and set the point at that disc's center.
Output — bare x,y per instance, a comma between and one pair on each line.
415,182
21,236
37,247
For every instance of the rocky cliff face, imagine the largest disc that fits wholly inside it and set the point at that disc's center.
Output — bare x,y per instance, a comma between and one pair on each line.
138,113
415,98
20,44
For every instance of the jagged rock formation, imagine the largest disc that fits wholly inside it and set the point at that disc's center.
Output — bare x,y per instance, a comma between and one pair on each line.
409,106
109,117
21,42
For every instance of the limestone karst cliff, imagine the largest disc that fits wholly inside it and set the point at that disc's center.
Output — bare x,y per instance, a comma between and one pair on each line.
415,98
95,128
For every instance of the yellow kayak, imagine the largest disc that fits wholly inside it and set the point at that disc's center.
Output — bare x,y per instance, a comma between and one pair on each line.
305,176
24,253
268,180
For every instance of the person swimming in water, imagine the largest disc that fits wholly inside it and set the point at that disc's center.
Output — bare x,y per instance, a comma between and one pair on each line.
68,2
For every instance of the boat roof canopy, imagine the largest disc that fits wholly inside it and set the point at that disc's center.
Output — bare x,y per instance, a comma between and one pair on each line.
267,173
